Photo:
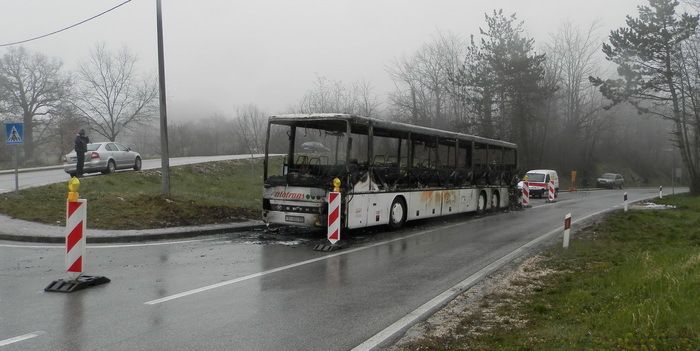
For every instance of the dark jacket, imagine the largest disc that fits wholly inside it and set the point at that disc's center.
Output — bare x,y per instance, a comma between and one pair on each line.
81,142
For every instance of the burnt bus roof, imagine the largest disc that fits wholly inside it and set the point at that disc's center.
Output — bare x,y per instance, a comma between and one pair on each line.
359,121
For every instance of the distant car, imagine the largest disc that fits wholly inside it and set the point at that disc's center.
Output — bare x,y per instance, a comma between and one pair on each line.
105,157
610,180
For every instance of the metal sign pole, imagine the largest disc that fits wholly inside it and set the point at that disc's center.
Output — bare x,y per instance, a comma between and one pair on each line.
16,169
14,135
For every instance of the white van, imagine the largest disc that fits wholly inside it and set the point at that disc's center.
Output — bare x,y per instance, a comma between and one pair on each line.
538,179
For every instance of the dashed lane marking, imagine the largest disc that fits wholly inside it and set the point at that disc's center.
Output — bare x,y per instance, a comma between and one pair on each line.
21,338
302,263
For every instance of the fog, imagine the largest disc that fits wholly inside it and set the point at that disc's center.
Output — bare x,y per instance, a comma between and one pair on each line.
536,74
221,54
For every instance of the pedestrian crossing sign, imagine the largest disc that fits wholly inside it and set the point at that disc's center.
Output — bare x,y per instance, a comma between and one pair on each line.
14,133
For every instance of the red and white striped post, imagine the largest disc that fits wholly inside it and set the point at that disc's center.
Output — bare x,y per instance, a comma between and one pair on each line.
625,201
551,191
526,194
334,217
567,229
76,214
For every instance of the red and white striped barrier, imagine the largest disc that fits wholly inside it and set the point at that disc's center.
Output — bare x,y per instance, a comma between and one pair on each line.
334,217
567,229
526,194
551,191
76,214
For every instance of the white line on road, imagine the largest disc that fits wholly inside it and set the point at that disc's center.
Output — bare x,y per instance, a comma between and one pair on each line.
397,328
293,265
278,269
21,338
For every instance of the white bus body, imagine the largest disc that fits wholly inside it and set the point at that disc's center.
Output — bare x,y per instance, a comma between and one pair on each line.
376,192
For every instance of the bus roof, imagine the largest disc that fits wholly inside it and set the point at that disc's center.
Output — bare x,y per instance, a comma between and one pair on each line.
389,125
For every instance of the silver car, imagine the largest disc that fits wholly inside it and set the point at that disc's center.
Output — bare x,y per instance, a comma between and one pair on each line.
610,180
105,157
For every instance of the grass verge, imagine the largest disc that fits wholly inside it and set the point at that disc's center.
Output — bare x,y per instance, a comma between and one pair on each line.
630,282
205,193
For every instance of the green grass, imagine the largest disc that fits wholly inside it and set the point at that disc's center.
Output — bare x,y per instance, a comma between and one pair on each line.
629,283
215,192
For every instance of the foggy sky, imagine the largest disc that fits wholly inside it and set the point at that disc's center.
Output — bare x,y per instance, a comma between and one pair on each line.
221,54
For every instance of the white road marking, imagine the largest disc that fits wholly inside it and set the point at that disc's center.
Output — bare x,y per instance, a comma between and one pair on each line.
294,265
21,338
62,246
397,328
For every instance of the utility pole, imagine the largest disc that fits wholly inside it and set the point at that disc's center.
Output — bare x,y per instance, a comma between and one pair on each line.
164,154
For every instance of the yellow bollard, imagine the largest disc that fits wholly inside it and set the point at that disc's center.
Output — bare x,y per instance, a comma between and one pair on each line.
73,187
336,185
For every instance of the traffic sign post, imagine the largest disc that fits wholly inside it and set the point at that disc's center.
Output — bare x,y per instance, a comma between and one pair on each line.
14,135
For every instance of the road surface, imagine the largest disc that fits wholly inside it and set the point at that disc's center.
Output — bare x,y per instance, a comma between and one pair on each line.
265,291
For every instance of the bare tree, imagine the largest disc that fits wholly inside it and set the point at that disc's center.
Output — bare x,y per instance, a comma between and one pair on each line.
112,97
366,101
425,92
334,96
572,57
250,128
32,85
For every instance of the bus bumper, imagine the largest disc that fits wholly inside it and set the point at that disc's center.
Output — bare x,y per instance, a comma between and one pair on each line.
294,218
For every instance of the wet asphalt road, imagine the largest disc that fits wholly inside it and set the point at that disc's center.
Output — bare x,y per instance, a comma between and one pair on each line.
275,294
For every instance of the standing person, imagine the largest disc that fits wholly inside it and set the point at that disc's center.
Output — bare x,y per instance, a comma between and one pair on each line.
81,142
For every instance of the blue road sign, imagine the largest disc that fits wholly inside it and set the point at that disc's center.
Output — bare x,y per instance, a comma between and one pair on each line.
14,133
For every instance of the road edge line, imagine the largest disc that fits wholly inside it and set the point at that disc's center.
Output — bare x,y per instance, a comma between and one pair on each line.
398,328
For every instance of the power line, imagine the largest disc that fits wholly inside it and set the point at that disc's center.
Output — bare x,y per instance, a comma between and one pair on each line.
66,28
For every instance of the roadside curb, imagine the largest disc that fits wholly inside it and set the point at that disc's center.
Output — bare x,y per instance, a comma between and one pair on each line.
27,170
125,236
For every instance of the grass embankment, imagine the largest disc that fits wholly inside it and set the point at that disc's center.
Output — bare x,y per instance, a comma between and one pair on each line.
215,192
631,282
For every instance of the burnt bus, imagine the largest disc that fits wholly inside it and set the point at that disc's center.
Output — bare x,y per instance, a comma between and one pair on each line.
389,172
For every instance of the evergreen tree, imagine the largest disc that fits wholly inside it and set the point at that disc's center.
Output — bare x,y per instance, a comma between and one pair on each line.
648,52
503,78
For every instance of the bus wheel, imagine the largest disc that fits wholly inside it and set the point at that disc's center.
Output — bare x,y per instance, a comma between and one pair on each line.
481,205
397,213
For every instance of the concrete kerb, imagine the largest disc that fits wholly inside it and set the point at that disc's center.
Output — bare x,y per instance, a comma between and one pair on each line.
27,170
98,236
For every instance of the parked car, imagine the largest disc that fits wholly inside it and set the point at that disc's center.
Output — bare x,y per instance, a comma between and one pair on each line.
105,157
539,178
610,180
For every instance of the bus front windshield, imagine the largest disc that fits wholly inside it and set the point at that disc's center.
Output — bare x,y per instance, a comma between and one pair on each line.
310,152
